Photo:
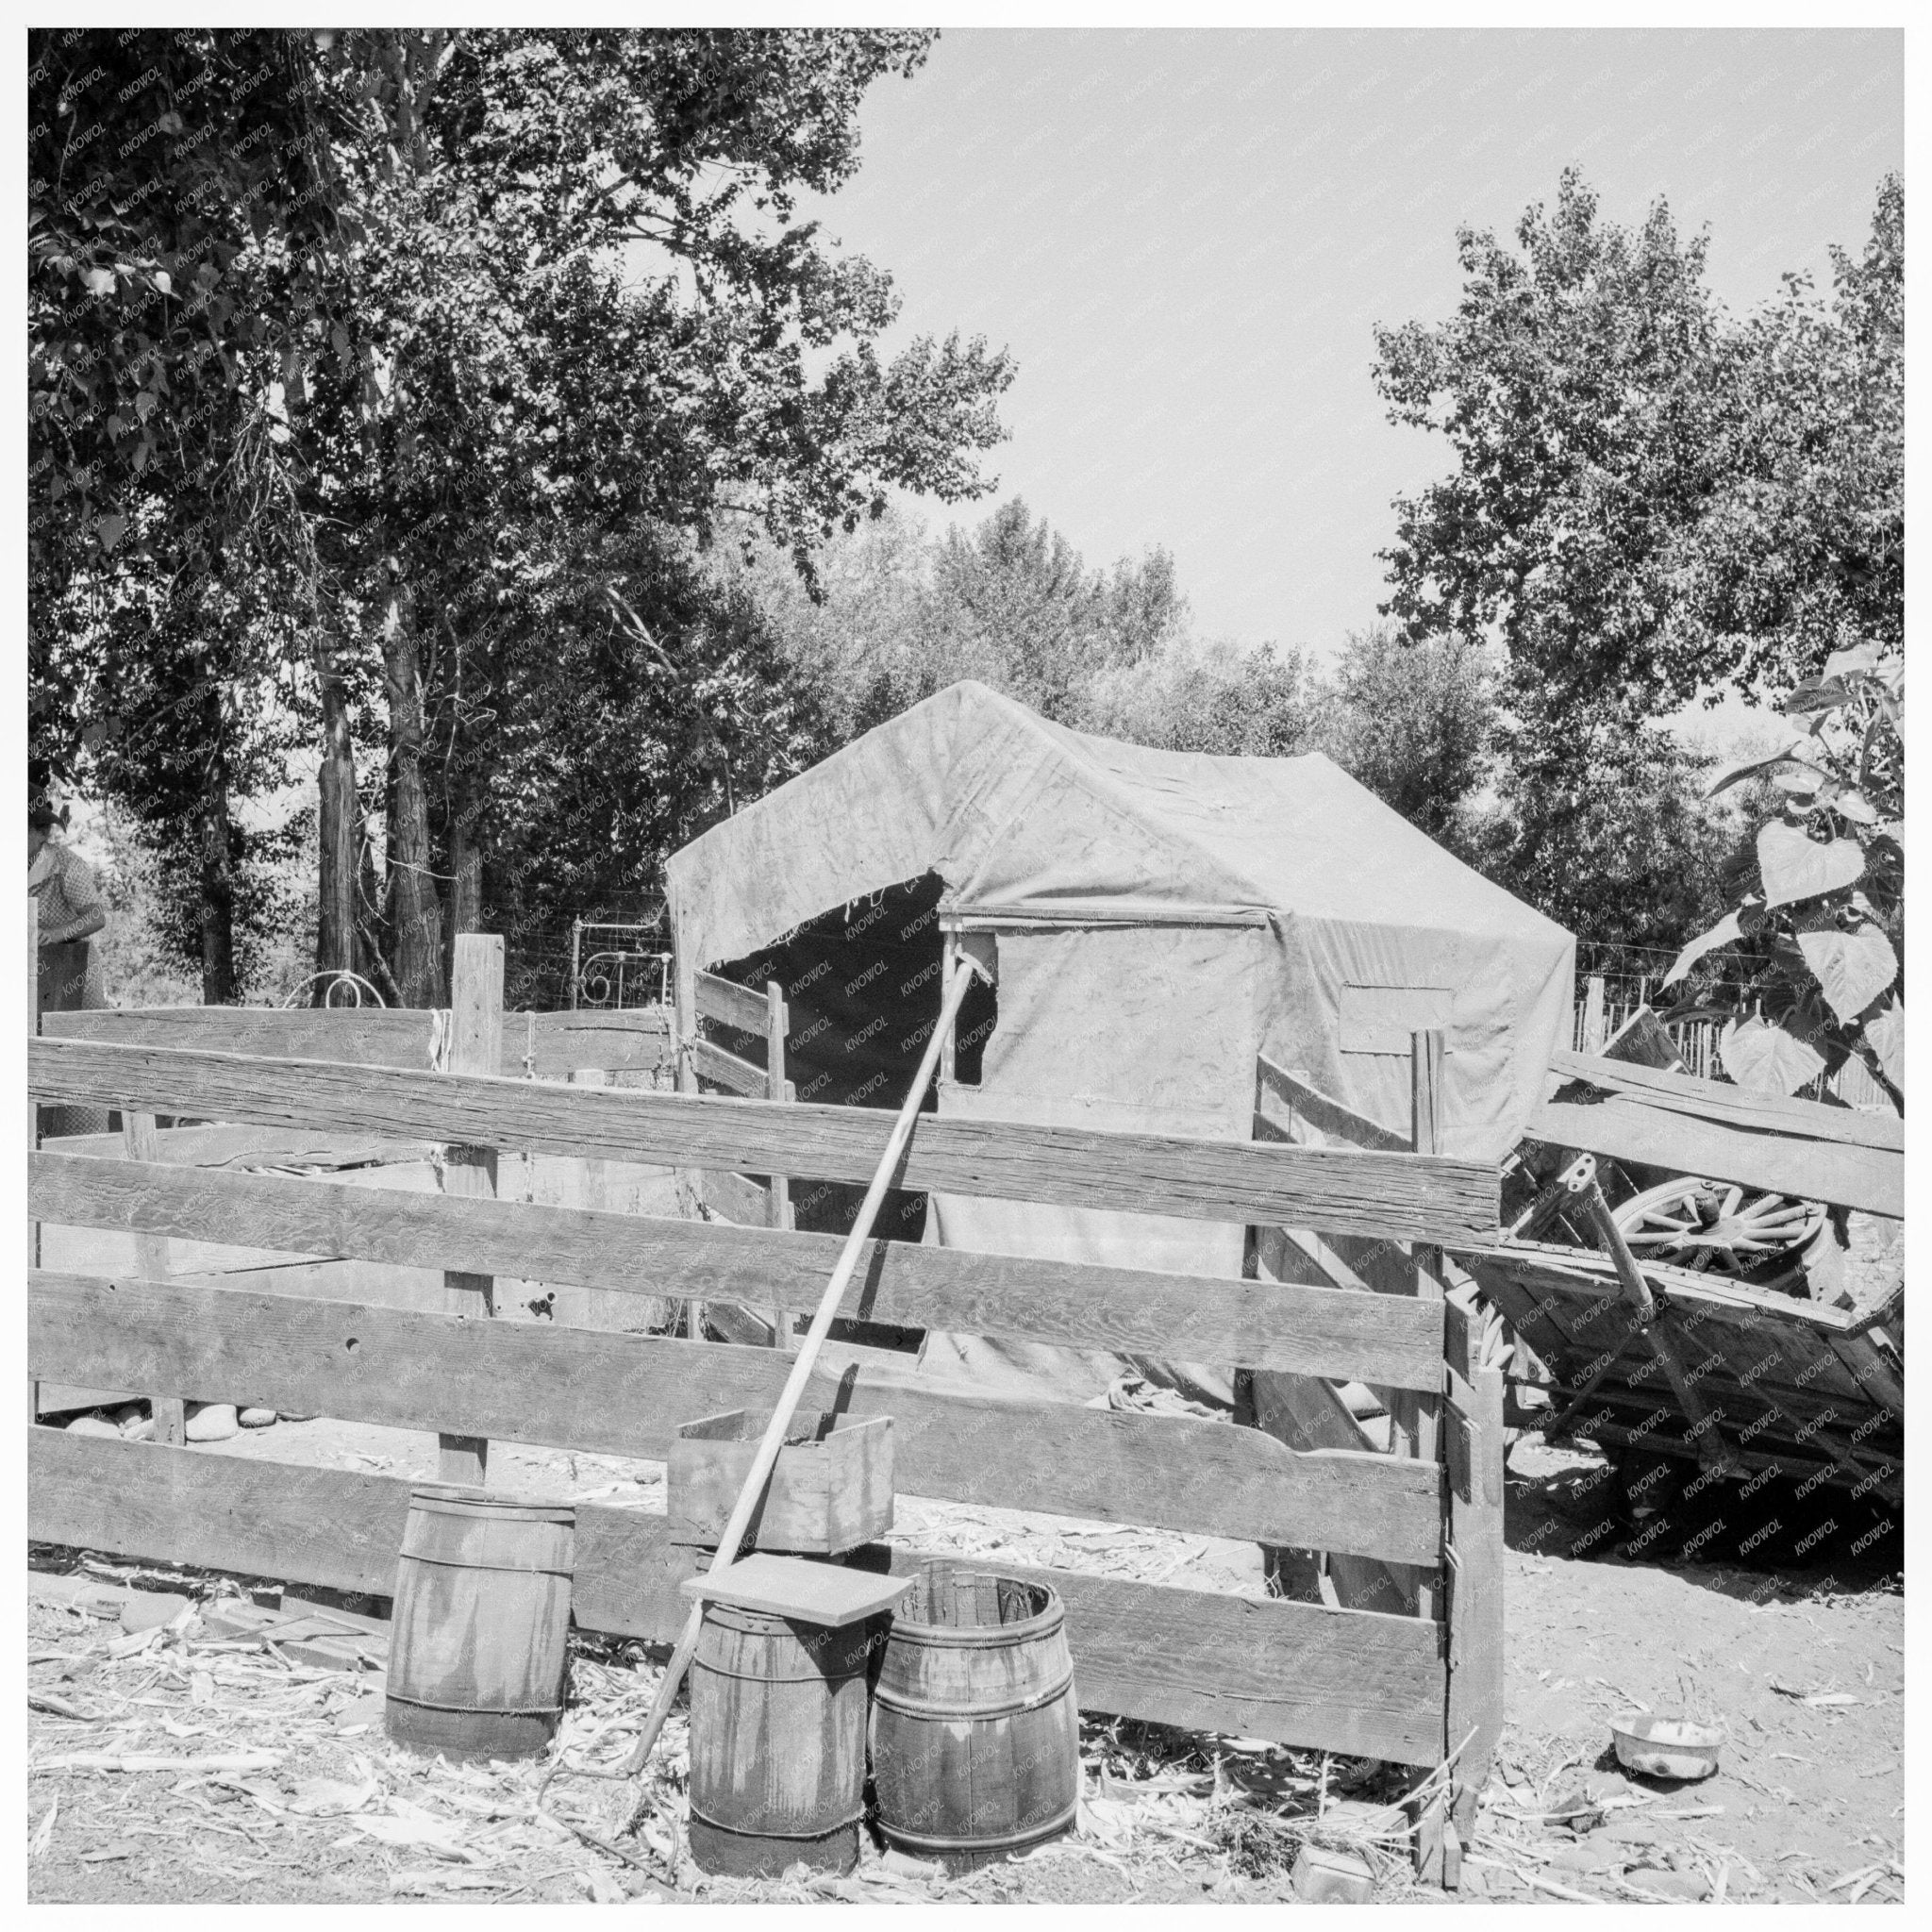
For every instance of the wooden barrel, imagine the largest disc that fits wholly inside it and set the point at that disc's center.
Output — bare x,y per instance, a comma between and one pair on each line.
976,1731
777,1743
479,1641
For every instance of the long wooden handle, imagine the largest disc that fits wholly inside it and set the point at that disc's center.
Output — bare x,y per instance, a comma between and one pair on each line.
1712,1452
806,1361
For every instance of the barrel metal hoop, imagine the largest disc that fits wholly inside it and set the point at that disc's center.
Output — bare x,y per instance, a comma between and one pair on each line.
475,1709
751,1831
762,1678
880,1695
496,1568
978,1635
1032,1833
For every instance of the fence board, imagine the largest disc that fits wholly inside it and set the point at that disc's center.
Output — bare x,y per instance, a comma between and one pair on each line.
362,1036
730,1003
1738,1107
1396,1195
625,1394
728,1070
736,1197
247,1147
546,1047
556,1045
1303,1675
1630,1129
1388,1340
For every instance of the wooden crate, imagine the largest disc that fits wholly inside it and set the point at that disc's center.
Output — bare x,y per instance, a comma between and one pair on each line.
831,1488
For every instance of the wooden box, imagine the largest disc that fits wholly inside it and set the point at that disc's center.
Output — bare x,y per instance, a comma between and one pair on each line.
831,1488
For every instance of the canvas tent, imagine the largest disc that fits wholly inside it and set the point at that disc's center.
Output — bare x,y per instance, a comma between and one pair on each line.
1156,920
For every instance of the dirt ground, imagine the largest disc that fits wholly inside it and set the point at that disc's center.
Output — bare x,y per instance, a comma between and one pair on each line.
1802,1667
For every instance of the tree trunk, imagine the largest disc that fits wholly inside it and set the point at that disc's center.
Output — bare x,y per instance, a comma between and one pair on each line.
335,924
217,840
415,912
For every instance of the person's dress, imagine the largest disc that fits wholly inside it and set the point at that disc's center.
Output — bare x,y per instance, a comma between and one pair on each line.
71,971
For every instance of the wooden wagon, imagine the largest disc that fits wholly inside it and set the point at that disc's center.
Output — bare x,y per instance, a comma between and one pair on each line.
1776,1382
1813,1390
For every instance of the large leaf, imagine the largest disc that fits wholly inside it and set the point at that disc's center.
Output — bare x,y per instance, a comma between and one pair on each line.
1768,1058
1859,657
1796,867
1746,768
1721,934
1826,695
1853,968
1885,1033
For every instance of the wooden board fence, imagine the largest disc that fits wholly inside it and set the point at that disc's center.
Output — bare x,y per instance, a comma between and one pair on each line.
540,1046
1366,1686
1317,1330
1316,1675
1404,1196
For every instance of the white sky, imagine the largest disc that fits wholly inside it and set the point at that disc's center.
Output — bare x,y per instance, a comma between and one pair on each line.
1186,238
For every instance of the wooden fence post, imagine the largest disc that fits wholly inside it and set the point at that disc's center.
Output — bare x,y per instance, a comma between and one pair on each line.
138,1143
684,1020
1426,1117
779,1187
1416,1421
1476,1624
475,1046
33,1111
1594,1024
949,1046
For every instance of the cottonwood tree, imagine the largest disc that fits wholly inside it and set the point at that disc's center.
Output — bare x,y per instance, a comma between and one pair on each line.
1650,502
586,309
1415,723
462,310
182,225
1799,550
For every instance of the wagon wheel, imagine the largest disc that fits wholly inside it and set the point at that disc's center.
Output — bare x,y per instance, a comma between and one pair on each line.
1717,1227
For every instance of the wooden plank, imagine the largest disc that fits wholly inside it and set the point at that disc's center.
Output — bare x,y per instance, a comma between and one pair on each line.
1738,1107
469,1173
729,1004
735,1197
357,1036
559,1043
1627,1128
1304,1414
1326,1114
241,1147
170,1412
1314,1330
1400,1195
828,1594
1312,1678
1477,1622
1641,1039
546,1047
625,1394
728,1070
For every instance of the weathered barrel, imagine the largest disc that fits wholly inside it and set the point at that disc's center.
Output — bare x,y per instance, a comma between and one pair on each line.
479,1641
976,1731
777,1743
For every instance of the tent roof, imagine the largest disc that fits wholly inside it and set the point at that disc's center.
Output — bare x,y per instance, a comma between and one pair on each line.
1028,821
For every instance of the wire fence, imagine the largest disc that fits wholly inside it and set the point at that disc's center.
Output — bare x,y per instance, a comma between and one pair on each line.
1599,1015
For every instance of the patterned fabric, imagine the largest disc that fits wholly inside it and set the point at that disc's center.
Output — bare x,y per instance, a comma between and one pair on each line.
70,969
